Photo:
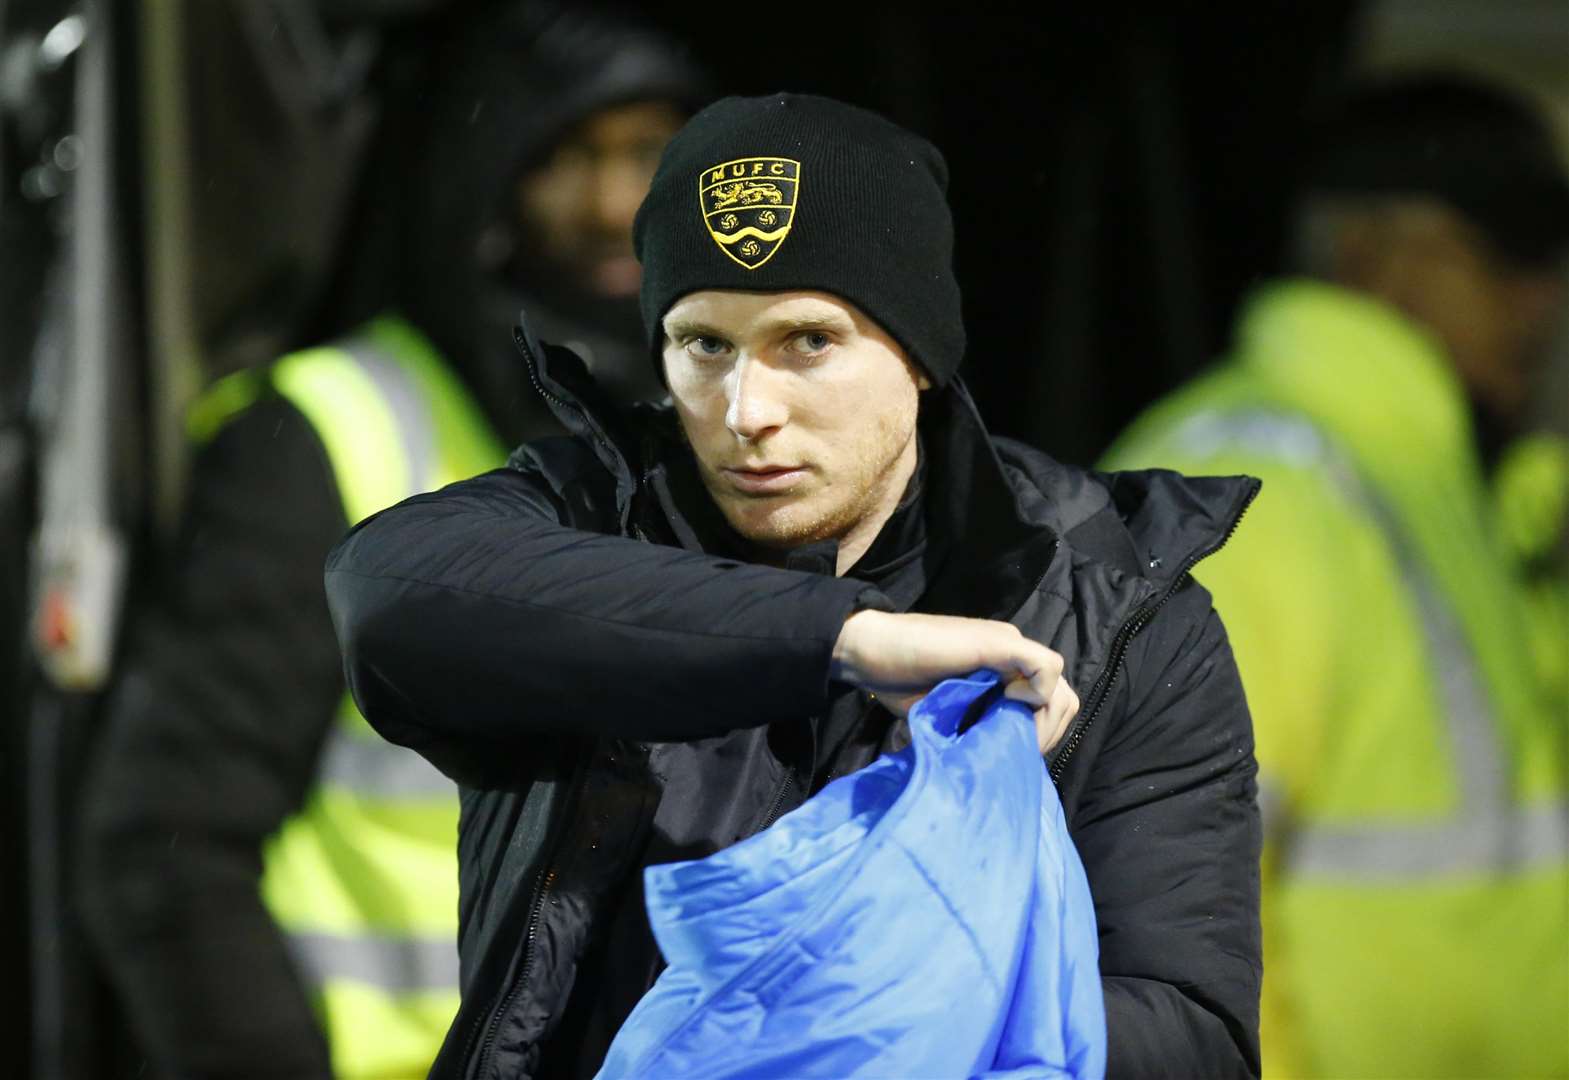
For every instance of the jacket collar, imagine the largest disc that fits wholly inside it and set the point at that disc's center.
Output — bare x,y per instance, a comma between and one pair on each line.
981,553
562,379
987,553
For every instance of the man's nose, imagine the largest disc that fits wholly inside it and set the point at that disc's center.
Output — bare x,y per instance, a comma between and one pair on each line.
756,408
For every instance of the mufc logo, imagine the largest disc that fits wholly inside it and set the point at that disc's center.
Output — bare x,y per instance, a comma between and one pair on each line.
749,205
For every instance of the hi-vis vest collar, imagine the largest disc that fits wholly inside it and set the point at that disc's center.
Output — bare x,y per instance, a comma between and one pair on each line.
748,206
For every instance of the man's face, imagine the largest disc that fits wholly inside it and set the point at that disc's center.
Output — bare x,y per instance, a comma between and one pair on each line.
799,409
1495,320
579,204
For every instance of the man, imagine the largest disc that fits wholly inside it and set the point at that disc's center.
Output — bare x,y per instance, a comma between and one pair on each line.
260,871
1413,758
637,645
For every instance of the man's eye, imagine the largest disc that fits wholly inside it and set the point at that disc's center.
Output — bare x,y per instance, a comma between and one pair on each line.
813,342
706,346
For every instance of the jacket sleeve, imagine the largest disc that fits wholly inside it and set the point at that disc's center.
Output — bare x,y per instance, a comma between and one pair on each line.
211,735
471,617
1169,832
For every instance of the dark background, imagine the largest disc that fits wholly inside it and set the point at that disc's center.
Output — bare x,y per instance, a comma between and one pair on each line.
1119,174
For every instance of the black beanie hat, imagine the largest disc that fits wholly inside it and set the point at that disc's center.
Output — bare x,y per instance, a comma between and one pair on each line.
792,191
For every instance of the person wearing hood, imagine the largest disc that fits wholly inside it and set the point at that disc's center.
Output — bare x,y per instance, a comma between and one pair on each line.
647,641
540,138
1392,602
272,890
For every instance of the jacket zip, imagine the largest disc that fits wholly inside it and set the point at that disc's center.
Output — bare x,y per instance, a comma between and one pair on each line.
1136,622
542,884
532,363
789,781
779,797
543,881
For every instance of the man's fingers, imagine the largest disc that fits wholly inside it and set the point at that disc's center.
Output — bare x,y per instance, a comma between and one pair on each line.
1022,689
1038,669
890,653
1052,721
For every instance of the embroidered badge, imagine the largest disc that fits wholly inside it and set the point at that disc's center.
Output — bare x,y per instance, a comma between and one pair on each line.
749,205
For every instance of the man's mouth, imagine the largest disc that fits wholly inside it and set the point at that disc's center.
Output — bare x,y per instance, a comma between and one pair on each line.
765,480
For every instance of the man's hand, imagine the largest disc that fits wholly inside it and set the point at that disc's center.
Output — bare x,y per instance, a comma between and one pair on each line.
901,657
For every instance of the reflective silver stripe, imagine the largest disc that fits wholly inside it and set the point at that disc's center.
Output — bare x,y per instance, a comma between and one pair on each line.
372,767
397,965
1285,437
406,400
1474,735
1487,832
1501,841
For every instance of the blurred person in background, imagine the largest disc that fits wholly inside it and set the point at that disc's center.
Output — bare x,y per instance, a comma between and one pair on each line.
272,888
540,147
1411,732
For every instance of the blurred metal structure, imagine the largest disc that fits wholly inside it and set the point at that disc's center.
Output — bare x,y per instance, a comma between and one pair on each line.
70,351
84,367
179,167
174,360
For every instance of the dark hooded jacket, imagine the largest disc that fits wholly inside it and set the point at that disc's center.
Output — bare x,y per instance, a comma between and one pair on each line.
508,90
613,683
230,676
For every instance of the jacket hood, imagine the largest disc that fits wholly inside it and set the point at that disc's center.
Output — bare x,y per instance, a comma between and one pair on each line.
505,89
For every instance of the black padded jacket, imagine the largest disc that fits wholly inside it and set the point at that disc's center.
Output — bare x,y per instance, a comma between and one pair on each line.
555,636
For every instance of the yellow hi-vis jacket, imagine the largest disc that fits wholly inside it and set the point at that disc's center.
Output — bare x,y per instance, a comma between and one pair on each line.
364,879
1531,499
1414,760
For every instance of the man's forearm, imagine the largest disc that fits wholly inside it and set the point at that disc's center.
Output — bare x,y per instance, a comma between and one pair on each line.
469,613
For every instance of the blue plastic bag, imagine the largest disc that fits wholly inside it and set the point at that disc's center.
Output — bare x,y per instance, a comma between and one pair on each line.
925,917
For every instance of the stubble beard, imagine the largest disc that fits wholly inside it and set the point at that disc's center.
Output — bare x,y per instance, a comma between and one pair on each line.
806,520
